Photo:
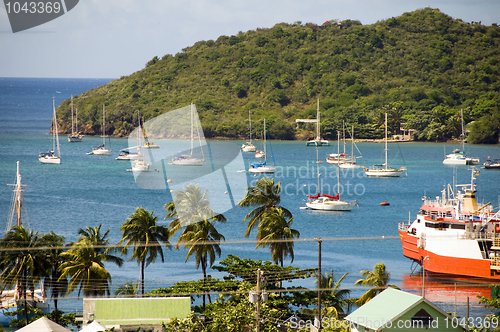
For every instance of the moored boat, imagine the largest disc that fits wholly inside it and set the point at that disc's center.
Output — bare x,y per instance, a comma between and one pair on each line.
455,235
492,163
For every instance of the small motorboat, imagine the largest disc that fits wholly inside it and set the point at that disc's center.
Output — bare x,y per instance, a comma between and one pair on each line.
385,203
492,163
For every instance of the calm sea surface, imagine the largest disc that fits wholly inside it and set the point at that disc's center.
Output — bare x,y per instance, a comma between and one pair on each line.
90,190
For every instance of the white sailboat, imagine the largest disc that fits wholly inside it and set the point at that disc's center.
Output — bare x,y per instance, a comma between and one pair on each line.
327,202
384,170
75,135
248,146
459,157
190,160
350,162
337,158
262,167
12,300
50,157
140,164
317,141
101,149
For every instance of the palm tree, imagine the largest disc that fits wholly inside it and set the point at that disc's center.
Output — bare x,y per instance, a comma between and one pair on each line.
22,264
337,302
142,232
86,268
100,243
274,232
202,239
191,208
264,196
127,289
379,278
58,287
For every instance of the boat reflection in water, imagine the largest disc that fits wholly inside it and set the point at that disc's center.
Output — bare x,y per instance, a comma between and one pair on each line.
450,294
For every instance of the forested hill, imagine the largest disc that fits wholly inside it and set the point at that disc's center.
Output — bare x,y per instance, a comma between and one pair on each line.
421,67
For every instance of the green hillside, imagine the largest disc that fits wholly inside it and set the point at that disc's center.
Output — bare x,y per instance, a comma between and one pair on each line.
421,67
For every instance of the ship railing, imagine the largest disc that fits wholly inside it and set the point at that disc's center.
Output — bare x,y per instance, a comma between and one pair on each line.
476,236
404,225
495,261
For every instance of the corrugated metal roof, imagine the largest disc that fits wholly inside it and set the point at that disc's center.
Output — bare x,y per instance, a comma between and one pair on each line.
385,307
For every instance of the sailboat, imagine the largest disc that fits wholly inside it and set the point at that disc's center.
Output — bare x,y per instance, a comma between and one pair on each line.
350,162
262,167
248,146
101,149
11,299
189,160
384,170
140,165
317,141
459,157
50,157
75,135
327,202
337,158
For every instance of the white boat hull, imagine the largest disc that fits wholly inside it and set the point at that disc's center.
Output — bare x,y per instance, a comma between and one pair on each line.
101,152
384,172
349,165
74,139
262,169
187,162
50,160
331,205
248,148
127,157
140,166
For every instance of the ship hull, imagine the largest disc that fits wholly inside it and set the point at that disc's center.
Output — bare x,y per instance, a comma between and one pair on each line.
446,265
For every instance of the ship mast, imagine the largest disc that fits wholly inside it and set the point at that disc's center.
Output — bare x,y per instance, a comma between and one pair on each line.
16,201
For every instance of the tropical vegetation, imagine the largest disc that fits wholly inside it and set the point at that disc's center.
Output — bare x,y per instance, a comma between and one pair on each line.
422,68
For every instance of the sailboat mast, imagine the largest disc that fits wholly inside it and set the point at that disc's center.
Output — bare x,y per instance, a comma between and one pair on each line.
19,190
250,124
352,142
317,169
72,126
265,134
343,134
103,123
338,163
386,141
56,141
318,121
192,137
463,134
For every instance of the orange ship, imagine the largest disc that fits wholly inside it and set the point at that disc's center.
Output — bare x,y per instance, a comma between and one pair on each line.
455,235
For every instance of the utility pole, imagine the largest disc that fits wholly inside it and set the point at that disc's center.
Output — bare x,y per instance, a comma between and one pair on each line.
257,323
319,282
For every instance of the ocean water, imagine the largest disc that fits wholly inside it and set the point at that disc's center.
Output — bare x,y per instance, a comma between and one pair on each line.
88,190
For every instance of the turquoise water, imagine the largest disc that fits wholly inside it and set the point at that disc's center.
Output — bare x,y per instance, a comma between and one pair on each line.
89,190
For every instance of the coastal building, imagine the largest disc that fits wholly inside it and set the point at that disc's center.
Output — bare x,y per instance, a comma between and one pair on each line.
133,314
395,310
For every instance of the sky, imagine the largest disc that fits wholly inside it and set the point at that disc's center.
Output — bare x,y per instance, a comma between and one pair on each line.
113,38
